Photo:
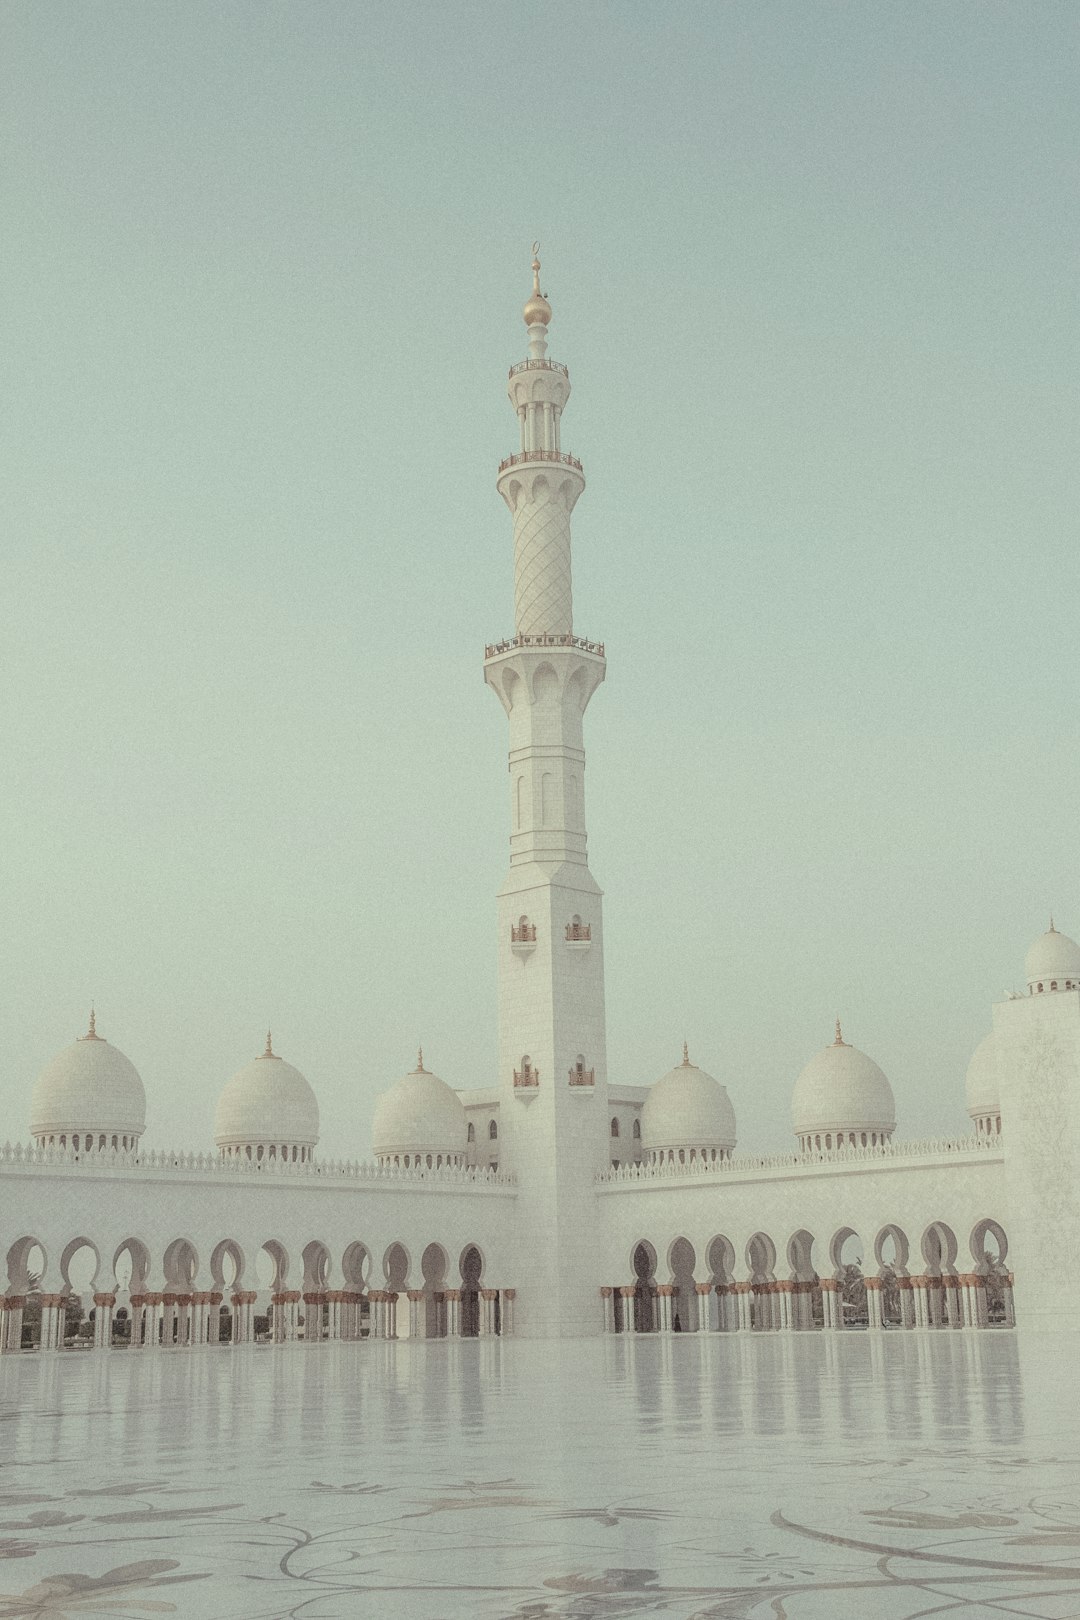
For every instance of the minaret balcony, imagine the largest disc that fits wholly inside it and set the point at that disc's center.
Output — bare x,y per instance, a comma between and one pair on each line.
538,365
581,1076
526,1083
495,649
579,934
523,938
524,456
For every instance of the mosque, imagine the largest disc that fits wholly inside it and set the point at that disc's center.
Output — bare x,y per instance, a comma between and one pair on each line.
558,1201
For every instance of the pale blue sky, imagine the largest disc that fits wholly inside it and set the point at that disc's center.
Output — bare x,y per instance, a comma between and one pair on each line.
261,267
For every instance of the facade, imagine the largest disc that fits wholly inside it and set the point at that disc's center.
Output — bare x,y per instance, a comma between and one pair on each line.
557,1201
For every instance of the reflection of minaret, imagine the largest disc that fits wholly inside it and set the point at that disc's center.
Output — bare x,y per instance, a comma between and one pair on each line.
552,1051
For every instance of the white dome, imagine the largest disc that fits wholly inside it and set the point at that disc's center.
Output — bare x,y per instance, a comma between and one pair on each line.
841,1090
267,1103
1054,959
89,1087
981,1087
420,1115
687,1108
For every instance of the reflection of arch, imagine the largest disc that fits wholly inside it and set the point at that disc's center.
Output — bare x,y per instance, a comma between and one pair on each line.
434,1264
684,1303
471,1266
645,1295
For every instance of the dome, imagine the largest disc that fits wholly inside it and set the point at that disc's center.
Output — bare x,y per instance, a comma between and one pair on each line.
981,1086
687,1109
420,1116
841,1094
537,311
1053,962
268,1104
89,1087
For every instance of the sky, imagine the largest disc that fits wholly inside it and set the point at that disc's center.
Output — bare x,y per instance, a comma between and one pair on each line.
813,270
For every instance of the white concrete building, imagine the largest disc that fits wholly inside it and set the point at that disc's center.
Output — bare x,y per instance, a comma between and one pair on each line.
556,1201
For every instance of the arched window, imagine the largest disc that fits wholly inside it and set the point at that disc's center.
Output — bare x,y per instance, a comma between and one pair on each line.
637,1130
615,1128
472,1132
1053,984
493,1130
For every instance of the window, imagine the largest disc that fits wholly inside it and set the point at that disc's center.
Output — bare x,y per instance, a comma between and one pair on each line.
615,1129
493,1130
472,1131
637,1130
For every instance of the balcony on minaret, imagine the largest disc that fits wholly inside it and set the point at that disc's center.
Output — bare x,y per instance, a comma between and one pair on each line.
521,457
578,934
580,1075
526,1079
523,937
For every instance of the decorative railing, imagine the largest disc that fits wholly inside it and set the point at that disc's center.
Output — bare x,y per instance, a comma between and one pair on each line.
575,932
523,933
524,1078
580,1076
110,1160
538,365
745,1164
494,648
540,455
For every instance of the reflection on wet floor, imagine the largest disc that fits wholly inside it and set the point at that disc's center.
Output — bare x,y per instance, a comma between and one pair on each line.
794,1475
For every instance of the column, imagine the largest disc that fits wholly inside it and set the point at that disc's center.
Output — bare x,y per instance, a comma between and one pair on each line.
239,1325
628,1316
920,1287
785,1299
104,1305
391,1314
606,1298
312,1330
52,1321
664,1294
453,1312
704,1292
874,1319
742,1306
907,1302
1009,1302
509,1296
11,1323
487,1313
415,1297
830,1300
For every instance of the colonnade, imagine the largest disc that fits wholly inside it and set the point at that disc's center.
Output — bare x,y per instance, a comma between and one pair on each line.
953,1300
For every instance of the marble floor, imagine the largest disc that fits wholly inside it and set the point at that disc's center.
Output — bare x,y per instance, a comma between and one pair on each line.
796,1477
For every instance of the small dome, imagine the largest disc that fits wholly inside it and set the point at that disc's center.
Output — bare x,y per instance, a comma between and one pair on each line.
843,1094
420,1115
687,1108
1053,961
537,310
89,1087
267,1104
981,1086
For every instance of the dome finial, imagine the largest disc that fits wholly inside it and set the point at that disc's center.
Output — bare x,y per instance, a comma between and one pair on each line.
269,1047
1053,930
685,1055
839,1041
537,311
420,1060
91,1033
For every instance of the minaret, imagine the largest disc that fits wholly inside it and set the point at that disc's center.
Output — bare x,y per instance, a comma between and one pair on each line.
552,1047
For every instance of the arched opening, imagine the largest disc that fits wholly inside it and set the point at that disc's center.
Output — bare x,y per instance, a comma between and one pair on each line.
272,1271
989,1251
684,1301
614,1129
645,1296
471,1134
846,1252
471,1267
761,1261
80,1265
807,1302
493,1130
939,1250
26,1269
314,1314
433,1267
723,1307
891,1254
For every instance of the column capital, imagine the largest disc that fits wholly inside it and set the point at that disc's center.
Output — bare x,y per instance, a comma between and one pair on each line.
628,1290
829,1285
605,1293
872,1283
702,1288
511,1293
414,1295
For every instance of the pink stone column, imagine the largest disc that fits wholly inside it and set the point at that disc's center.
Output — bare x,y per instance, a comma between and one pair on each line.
628,1296
664,1294
608,1309
509,1296
1009,1301
453,1312
783,1296
874,1320
907,1302
830,1299
415,1297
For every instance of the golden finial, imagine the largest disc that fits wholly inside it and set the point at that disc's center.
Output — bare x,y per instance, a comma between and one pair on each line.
269,1048
685,1055
537,311
839,1041
91,1033
420,1060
